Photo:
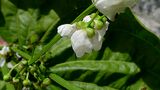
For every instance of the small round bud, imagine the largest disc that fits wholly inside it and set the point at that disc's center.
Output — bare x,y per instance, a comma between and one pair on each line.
93,15
98,17
90,32
6,77
104,19
26,82
24,62
46,82
32,69
42,68
81,24
15,80
98,24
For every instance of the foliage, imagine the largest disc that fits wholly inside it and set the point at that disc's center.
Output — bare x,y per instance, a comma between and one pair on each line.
128,60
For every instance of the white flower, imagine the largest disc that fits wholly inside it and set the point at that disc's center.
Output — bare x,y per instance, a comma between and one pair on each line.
4,50
111,7
81,43
9,65
3,54
84,39
26,88
66,30
2,61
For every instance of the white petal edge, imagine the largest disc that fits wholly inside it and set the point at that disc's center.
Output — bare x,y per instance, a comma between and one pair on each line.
66,30
111,7
81,43
2,61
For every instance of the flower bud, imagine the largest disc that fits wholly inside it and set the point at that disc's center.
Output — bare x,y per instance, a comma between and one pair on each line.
46,82
24,62
6,77
90,32
104,19
93,15
15,80
26,82
98,24
42,68
81,24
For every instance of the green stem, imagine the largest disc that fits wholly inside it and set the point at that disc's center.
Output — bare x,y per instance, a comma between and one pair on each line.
27,75
90,9
89,23
44,49
14,68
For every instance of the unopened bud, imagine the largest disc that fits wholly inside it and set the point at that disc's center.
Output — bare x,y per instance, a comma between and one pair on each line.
90,32
6,77
98,24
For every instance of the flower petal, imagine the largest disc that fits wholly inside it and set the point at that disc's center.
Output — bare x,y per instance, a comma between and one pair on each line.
87,18
4,50
96,42
66,30
81,43
111,7
2,61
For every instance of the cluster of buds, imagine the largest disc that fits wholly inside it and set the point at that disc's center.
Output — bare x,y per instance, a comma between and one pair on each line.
28,75
86,35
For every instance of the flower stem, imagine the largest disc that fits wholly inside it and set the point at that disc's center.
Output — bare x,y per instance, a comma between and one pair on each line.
89,23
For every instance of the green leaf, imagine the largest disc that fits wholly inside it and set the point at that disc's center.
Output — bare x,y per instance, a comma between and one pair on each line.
118,84
9,86
52,87
9,11
47,23
41,52
2,85
63,82
139,85
133,41
21,53
4,69
91,86
59,47
106,66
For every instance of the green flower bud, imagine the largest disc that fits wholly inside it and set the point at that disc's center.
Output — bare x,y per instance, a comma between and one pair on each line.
104,19
98,17
26,82
42,68
81,24
93,15
46,82
15,80
32,69
98,24
24,62
90,32
6,77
